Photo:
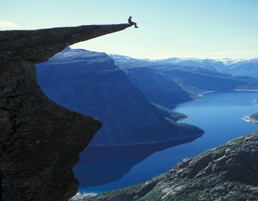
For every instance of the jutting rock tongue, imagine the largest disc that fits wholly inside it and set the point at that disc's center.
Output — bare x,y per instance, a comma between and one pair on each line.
39,45
40,140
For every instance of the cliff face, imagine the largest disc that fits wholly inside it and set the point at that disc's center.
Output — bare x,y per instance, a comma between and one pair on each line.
39,139
228,172
90,83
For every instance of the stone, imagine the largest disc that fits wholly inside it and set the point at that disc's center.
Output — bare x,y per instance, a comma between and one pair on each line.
40,140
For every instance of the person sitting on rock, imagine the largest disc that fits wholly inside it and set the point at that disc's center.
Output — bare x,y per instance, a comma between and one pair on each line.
131,22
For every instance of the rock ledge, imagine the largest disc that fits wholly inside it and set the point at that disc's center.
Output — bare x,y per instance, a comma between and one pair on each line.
39,139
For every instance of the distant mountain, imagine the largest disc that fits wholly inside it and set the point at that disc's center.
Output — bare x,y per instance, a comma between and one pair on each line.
235,67
243,68
193,76
228,172
157,87
194,62
90,83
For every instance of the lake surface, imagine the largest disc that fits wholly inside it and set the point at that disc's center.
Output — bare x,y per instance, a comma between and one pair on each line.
220,115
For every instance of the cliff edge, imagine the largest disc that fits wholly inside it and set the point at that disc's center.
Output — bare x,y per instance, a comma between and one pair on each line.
39,139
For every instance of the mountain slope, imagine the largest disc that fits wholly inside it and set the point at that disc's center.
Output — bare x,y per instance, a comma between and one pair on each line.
90,83
228,172
243,68
157,86
197,79
237,67
193,76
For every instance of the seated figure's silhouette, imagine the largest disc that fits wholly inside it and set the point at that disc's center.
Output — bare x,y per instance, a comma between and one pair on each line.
131,22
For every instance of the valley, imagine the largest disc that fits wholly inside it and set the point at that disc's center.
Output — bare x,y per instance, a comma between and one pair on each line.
121,91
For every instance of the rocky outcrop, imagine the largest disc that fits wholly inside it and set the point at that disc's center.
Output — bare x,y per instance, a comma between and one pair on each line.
228,172
39,139
39,45
252,118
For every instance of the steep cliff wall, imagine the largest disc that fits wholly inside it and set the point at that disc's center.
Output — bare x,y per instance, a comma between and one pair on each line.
39,140
90,83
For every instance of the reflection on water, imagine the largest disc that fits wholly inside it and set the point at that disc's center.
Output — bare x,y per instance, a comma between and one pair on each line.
220,115
100,165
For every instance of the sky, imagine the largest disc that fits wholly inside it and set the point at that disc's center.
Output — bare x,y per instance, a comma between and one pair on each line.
167,28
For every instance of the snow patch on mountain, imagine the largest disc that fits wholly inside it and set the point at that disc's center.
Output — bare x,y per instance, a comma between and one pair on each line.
78,55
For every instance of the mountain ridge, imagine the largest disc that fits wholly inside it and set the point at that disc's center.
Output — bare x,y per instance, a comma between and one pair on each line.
193,78
235,67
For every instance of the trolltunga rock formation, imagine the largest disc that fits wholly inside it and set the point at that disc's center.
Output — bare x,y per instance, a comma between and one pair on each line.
39,139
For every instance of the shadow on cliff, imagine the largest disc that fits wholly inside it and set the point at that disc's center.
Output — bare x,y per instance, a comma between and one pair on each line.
102,165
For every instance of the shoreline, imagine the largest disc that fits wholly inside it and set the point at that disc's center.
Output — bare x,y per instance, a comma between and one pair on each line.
200,95
250,119
247,90
81,196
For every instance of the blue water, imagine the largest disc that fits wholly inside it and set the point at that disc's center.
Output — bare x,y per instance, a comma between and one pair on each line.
220,115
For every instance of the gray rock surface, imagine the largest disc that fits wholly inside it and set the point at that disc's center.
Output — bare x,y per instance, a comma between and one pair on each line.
39,139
